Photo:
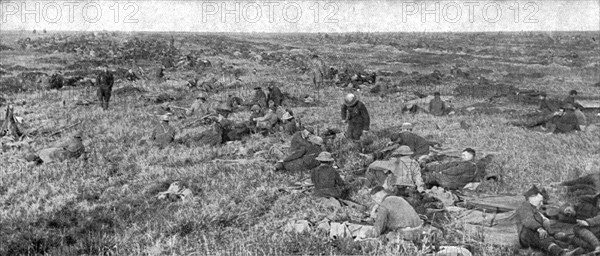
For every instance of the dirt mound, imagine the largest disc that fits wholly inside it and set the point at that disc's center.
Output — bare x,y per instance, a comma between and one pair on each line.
31,76
128,90
17,68
53,60
485,89
12,85
85,64
5,48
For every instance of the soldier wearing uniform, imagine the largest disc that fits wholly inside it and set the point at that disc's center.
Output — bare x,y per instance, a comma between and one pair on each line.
355,113
105,81
163,134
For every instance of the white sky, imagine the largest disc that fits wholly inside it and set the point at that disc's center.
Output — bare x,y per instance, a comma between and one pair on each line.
302,16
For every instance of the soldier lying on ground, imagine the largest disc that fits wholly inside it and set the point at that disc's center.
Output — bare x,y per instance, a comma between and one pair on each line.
419,145
454,175
399,172
303,158
395,216
327,180
71,149
533,226
232,131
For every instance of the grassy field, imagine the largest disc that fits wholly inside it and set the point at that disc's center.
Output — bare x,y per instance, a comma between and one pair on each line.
108,204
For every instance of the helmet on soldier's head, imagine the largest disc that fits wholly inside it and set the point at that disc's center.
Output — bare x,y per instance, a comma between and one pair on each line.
78,134
350,99
406,127
255,108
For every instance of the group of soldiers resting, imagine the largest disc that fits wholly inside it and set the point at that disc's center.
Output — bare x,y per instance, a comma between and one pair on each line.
557,116
534,227
405,164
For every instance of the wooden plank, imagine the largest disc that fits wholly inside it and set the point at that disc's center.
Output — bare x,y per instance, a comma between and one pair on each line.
589,104
494,203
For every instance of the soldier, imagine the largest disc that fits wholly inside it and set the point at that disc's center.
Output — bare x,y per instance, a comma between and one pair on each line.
355,114
163,133
395,215
105,81
571,99
303,158
56,80
455,175
327,180
73,148
318,71
131,76
260,98
199,107
418,144
404,172
275,95
256,113
533,226
567,122
437,106
159,74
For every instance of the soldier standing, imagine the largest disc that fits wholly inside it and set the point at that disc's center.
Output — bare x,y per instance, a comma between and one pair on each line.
356,115
105,81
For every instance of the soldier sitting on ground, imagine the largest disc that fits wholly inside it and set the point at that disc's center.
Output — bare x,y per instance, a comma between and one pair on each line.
163,134
572,99
586,213
199,107
131,76
566,121
275,95
399,172
289,124
327,180
266,122
533,227
256,113
55,81
259,98
437,106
